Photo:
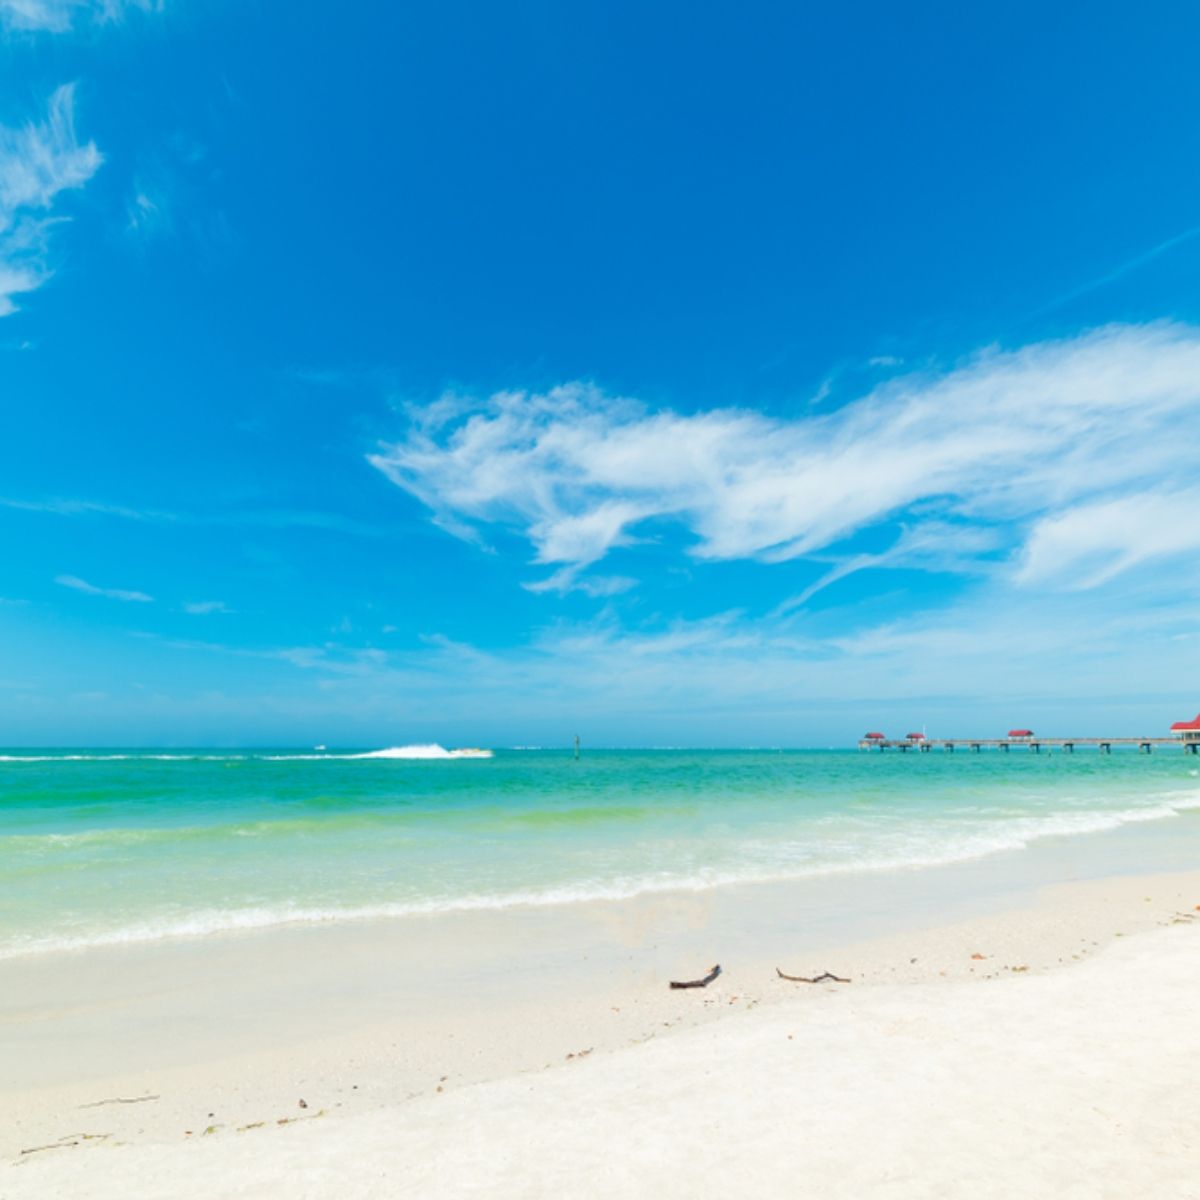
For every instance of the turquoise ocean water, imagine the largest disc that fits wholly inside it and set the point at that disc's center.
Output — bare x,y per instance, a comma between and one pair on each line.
124,846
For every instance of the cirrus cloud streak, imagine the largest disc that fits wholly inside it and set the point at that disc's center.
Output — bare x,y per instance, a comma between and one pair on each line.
1006,443
60,16
38,161
82,585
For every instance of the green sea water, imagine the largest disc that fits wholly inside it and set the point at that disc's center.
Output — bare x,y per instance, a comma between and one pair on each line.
110,847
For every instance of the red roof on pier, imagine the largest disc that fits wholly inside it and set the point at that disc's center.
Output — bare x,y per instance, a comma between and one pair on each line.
1180,726
1020,733
914,737
873,737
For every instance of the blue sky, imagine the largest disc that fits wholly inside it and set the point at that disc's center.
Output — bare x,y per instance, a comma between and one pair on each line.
673,374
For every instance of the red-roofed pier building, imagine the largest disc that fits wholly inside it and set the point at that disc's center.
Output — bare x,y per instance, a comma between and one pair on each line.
1188,732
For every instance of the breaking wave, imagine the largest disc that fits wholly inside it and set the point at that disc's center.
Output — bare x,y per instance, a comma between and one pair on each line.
430,750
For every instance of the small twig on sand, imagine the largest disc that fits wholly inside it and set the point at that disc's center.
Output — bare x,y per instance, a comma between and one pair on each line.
120,1100
691,983
815,979
52,1146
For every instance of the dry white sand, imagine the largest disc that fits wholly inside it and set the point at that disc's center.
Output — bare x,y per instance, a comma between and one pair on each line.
1047,1048
1076,1083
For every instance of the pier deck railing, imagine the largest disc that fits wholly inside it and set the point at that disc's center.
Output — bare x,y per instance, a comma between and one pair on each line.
1033,744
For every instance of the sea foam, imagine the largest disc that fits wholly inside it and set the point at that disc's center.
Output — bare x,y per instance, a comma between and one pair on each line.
428,751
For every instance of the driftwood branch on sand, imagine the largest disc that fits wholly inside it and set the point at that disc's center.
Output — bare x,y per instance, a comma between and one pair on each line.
692,983
120,1100
825,975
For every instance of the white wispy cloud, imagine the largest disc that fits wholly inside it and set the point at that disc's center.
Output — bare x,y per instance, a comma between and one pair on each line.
52,15
148,211
74,508
968,668
333,523
60,16
1005,440
1092,543
567,579
168,184
203,608
1119,272
38,161
82,585
929,546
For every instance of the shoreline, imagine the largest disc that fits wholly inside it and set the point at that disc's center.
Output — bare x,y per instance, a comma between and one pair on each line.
1149,847
1053,1080
376,1017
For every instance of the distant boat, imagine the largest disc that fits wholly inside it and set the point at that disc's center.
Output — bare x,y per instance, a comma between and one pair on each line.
318,747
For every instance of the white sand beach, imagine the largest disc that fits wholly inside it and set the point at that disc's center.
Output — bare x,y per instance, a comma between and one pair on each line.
1042,1046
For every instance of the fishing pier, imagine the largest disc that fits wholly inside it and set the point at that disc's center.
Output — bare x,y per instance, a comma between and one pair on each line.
1184,734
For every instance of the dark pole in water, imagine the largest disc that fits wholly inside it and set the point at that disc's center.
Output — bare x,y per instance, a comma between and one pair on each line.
577,747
